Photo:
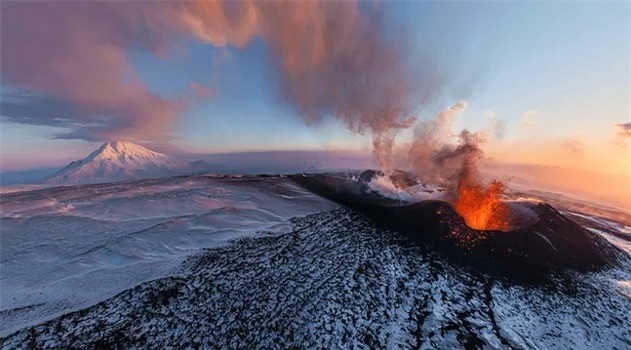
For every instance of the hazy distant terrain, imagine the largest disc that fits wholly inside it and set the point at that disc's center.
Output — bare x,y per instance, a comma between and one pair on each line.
252,163
592,186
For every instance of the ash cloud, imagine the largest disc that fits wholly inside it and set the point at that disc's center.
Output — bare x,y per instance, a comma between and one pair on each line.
439,156
331,58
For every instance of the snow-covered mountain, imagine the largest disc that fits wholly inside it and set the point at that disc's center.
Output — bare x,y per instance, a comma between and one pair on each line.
118,161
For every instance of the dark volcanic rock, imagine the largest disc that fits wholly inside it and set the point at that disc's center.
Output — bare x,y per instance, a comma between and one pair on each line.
553,242
336,281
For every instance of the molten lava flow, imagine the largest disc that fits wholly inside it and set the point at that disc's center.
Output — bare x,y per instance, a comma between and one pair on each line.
481,207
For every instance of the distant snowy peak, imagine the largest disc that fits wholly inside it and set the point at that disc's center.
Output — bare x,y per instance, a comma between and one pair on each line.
129,154
117,161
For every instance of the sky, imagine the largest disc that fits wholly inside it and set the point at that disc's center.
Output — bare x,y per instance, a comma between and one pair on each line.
549,82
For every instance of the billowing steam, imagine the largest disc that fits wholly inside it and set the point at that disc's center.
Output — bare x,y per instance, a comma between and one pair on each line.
332,59
434,157
453,165
440,157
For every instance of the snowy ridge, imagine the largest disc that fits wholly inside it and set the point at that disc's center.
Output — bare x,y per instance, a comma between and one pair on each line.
117,161
336,281
65,248
259,262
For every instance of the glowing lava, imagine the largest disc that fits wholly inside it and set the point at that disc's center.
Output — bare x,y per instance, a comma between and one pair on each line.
481,206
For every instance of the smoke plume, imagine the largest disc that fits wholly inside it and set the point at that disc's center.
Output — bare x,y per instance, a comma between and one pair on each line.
450,160
435,157
331,57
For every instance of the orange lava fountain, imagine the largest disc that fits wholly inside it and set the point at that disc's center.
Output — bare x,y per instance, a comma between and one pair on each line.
481,206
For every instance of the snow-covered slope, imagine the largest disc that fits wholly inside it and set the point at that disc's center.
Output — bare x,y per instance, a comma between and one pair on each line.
212,261
117,161
68,247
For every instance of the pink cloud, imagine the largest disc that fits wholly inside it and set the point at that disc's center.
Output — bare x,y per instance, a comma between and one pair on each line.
76,52
331,57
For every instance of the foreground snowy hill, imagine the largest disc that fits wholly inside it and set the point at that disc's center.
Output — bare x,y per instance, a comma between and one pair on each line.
258,262
117,161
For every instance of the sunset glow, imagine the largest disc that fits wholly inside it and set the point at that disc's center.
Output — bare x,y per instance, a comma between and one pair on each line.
213,77
298,174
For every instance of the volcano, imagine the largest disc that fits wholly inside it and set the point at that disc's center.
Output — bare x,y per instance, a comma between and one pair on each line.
540,239
116,161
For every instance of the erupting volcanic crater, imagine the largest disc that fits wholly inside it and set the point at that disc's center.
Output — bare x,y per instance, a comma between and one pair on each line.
531,240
